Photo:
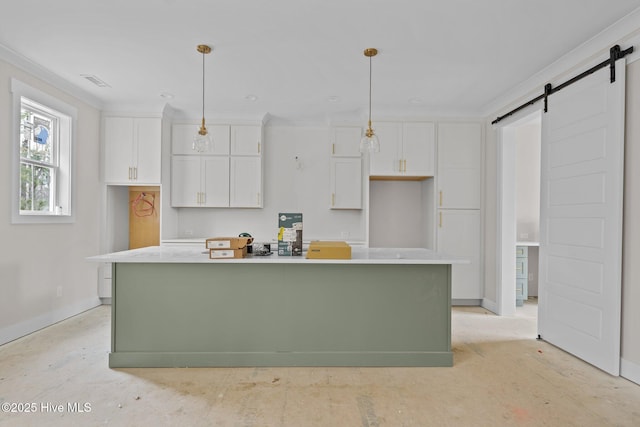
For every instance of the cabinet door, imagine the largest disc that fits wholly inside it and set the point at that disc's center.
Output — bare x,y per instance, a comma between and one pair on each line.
459,235
182,139
418,149
147,150
246,140
215,181
387,161
118,149
346,183
345,141
459,165
245,186
185,181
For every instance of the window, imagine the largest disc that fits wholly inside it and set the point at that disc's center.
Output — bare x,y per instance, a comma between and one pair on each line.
43,161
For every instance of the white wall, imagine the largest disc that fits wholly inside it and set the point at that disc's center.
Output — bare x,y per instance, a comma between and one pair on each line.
35,260
401,214
290,185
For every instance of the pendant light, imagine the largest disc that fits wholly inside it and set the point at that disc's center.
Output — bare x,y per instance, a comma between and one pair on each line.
369,141
202,139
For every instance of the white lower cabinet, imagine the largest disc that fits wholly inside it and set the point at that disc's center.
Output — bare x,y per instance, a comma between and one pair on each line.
458,233
346,183
200,181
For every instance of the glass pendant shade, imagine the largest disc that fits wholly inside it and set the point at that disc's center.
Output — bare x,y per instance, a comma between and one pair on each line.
369,143
202,141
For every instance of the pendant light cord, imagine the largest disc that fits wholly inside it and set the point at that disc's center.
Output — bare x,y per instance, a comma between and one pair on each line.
370,92
203,86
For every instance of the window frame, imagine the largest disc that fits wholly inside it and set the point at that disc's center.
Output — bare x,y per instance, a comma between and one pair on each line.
64,181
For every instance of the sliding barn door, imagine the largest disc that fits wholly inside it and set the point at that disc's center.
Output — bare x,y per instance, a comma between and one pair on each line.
581,219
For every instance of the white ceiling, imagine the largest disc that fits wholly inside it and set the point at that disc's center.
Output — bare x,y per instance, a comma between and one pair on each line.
302,59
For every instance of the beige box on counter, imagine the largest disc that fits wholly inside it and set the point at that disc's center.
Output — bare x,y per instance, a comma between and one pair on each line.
328,250
228,242
227,253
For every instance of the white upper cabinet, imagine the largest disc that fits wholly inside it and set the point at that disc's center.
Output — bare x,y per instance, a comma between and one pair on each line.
346,183
228,174
418,148
245,182
345,141
387,161
407,149
246,140
459,165
182,136
132,148
199,181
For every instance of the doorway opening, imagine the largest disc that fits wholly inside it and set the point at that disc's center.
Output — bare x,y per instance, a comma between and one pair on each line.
519,145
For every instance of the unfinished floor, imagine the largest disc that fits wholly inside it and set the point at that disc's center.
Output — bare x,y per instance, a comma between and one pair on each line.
502,376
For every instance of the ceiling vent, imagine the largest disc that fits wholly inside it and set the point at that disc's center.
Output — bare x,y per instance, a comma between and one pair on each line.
95,80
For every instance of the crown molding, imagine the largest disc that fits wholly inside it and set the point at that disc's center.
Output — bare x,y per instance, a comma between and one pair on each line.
27,65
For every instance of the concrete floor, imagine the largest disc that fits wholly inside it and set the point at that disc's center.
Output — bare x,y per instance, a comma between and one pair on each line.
501,376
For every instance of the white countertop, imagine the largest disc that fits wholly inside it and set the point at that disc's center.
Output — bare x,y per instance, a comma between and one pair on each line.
527,243
195,254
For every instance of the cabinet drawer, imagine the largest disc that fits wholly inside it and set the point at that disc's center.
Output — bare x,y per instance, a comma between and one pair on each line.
521,268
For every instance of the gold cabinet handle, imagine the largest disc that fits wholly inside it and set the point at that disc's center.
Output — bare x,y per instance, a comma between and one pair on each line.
400,165
333,199
257,199
333,148
129,173
440,220
258,147
440,197
405,165
135,174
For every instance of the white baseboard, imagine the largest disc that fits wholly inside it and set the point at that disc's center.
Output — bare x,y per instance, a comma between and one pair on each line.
492,306
18,330
630,371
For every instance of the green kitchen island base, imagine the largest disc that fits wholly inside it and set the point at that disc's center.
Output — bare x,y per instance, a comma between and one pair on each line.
280,314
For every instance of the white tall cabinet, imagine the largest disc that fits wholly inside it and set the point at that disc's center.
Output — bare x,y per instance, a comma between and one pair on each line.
458,197
346,168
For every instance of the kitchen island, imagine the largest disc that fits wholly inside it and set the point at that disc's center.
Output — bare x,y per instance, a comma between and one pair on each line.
175,307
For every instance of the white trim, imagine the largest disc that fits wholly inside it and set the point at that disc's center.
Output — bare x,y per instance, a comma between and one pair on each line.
505,210
19,90
630,370
16,59
625,32
18,330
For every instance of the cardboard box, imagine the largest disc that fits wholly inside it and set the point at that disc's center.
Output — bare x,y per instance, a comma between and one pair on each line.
228,242
227,253
329,250
290,234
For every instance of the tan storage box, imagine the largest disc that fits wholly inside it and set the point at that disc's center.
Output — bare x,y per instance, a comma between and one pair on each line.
228,242
227,253
329,250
